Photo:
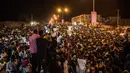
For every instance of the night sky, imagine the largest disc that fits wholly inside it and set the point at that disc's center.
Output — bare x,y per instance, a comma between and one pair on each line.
21,10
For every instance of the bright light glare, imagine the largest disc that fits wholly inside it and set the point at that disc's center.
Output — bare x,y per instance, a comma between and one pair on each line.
66,10
74,23
59,10
55,18
33,23
54,15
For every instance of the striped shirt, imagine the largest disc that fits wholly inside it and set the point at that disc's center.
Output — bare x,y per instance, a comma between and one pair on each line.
32,42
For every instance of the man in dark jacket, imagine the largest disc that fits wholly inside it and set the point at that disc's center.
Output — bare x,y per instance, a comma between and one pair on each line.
54,67
42,52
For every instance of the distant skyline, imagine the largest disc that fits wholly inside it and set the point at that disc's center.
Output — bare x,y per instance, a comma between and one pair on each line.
21,10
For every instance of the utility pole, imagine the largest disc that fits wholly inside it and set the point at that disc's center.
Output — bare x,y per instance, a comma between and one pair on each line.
31,17
93,5
62,14
118,17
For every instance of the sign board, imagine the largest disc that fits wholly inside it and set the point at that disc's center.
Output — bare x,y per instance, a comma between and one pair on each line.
82,63
93,18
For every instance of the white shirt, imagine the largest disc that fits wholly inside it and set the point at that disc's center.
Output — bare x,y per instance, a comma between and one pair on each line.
59,39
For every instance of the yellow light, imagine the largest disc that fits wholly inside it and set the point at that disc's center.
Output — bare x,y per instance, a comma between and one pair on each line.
55,18
66,10
54,15
59,10
51,19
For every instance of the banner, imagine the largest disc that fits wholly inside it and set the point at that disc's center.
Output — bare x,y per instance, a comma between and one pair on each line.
82,63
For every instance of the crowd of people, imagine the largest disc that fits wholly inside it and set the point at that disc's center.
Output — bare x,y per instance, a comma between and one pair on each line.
54,50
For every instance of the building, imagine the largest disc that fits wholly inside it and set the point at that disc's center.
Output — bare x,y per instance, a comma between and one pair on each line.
84,19
12,24
113,21
125,22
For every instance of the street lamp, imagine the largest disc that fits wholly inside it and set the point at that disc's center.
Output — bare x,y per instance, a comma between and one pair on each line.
59,10
62,11
66,10
55,18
